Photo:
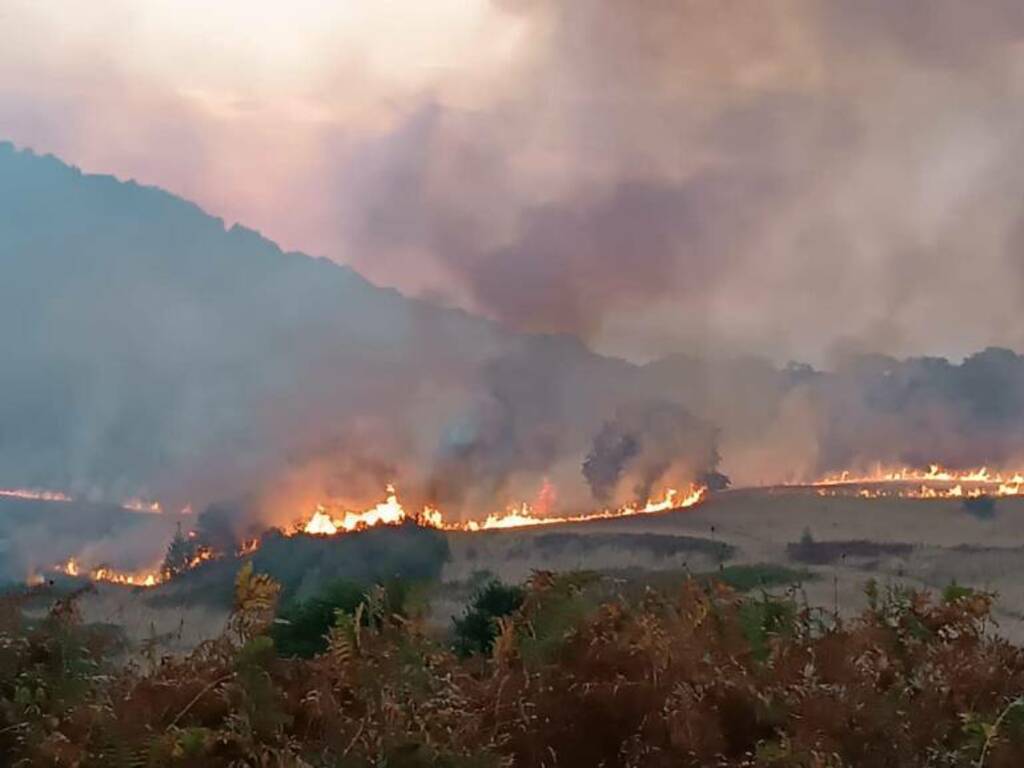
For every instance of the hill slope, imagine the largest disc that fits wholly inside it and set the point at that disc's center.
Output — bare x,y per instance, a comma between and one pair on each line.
150,351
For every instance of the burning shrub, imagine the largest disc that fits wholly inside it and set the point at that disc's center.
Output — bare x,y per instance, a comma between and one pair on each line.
180,553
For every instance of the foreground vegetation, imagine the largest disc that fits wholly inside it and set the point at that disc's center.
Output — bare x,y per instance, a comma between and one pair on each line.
560,671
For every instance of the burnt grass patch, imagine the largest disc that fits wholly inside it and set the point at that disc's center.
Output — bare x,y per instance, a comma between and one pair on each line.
659,545
812,552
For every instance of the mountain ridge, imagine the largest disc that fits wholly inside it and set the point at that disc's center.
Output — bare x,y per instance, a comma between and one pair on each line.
161,334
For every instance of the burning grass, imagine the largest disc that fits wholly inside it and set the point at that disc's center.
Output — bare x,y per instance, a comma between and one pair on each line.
323,522
975,487
186,551
933,482
812,552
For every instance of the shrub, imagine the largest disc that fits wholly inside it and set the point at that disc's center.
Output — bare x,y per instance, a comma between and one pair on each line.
981,507
301,629
302,626
693,676
475,631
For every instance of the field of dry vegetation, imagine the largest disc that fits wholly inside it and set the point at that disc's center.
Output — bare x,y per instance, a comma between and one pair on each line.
562,670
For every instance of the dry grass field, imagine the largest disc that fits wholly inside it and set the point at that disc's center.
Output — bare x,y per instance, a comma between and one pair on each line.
920,543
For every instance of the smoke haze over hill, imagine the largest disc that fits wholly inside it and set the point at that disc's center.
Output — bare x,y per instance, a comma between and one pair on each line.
150,352
795,179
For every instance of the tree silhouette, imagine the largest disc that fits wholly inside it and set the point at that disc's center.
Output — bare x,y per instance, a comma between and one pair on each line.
180,553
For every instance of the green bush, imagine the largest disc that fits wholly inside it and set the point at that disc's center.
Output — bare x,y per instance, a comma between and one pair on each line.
476,630
301,627
981,507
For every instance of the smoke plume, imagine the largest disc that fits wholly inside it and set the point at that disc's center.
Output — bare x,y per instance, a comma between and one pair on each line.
642,446
788,179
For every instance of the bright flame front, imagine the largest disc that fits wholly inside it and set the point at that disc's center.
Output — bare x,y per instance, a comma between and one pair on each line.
34,494
325,522
103,573
390,512
935,482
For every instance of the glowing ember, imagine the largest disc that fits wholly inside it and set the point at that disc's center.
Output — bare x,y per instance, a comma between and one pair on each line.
935,482
390,512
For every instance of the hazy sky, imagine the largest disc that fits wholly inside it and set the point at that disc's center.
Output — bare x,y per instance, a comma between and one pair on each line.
793,178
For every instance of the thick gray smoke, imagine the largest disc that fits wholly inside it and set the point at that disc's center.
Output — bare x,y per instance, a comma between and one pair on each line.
829,181
796,423
788,178
644,445
785,178
921,410
149,352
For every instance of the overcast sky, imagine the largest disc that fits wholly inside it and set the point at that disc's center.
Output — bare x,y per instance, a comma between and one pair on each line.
794,178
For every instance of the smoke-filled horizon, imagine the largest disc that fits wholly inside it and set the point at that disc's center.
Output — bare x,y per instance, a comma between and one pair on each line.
150,352
796,180
610,226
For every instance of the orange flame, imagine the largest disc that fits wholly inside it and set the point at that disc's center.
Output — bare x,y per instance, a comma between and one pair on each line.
388,512
34,494
104,573
935,482
133,504
145,578
391,512
141,505
248,547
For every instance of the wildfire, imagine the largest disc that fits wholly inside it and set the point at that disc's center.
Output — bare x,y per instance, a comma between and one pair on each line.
248,547
145,578
390,512
201,556
524,516
103,573
935,482
134,504
34,494
150,579
141,505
